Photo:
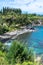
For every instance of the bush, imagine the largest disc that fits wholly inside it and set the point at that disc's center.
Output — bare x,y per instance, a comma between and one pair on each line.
3,29
3,61
28,63
19,52
1,46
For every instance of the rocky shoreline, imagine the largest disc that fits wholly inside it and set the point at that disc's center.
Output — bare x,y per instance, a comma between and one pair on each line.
12,35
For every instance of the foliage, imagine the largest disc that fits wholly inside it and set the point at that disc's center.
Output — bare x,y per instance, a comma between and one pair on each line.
19,52
12,17
29,63
1,46
3,29
4,62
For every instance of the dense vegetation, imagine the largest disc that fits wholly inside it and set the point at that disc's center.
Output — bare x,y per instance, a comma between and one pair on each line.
11,19
16,54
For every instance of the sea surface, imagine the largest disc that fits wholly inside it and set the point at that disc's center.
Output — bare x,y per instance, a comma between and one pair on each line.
33,39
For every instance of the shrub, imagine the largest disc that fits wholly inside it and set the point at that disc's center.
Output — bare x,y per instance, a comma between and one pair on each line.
28,63
1,46
1,32
3,61
3,29
19,52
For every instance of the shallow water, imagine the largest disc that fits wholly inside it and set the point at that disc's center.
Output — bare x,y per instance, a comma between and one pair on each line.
33,39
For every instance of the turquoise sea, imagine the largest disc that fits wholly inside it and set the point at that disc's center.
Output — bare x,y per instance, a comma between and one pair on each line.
33,39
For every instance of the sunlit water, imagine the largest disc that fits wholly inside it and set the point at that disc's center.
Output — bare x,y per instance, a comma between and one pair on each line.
33,39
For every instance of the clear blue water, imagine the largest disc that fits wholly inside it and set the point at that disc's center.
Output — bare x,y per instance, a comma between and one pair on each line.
33,39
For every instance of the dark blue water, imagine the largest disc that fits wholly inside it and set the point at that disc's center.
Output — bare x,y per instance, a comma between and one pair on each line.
34,39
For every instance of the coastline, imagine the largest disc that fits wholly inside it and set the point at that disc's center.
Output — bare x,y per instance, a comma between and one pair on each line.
12,35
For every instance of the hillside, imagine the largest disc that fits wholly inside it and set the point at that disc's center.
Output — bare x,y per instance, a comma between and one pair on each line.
12,19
